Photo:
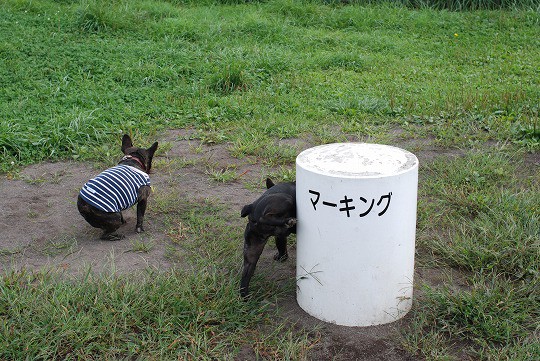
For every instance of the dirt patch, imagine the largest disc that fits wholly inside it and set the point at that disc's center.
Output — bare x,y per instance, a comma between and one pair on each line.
41,229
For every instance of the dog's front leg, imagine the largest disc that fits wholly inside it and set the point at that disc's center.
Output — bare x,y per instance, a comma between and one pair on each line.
142,197
252,252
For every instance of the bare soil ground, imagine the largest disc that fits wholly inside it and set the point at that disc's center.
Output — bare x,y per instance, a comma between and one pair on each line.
41,229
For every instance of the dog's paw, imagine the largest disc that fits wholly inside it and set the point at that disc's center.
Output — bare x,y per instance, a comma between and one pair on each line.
244,293
281,258
139,229
291,222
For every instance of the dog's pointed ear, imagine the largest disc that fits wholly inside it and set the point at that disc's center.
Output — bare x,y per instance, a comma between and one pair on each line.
152,149
246,210
269,183
126,143
151,152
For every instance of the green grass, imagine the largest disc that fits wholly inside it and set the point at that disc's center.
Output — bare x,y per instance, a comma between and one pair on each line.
482,219
140,246
76,75
186,315
488,218
223,175
59,245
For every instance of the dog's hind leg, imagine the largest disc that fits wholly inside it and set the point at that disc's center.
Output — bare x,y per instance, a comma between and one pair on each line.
281,245
252,252
110,224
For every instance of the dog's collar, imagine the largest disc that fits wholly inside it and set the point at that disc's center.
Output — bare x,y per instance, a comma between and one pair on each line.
130,157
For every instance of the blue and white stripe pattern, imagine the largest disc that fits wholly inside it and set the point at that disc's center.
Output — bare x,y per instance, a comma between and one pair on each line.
114,189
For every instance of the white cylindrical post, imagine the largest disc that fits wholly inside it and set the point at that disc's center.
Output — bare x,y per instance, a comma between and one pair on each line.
356,210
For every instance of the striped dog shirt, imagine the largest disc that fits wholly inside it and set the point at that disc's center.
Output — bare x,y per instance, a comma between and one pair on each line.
115,189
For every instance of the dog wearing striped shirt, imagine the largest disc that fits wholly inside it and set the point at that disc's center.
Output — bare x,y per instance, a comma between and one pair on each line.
103,198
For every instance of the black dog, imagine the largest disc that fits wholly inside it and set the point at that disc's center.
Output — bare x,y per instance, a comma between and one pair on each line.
273,214
103,198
